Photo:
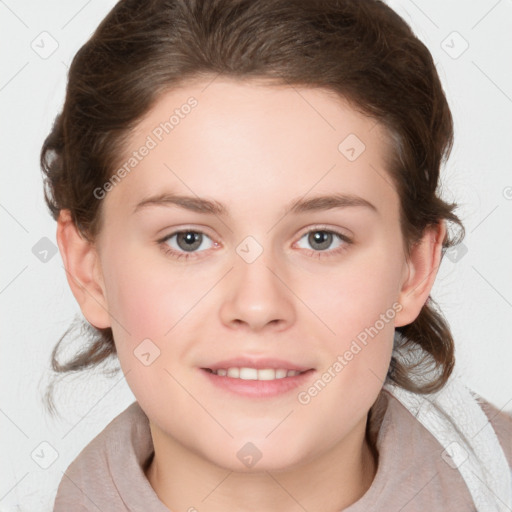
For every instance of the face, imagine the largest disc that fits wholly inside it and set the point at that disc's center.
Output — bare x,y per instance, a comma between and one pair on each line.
287,255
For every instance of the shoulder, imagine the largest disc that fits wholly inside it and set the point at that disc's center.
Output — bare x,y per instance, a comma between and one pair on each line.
412,473
112,439
93,471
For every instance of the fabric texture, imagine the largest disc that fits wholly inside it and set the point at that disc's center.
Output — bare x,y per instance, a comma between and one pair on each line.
469,447
413,472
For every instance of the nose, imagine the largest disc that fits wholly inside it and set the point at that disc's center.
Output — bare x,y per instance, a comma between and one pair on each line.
256,297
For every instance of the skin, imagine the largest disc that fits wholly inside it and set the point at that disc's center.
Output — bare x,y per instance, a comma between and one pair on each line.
253,147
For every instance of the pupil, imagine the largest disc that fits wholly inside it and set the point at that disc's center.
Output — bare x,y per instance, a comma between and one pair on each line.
322,238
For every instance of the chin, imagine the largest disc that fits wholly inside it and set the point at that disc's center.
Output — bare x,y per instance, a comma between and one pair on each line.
257,454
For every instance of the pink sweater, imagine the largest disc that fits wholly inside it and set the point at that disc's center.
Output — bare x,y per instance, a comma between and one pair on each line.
108,474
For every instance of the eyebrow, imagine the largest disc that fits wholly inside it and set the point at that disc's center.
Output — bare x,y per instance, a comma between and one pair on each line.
300,205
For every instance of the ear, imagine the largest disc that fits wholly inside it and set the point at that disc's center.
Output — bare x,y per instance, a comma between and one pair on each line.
83,271
420,272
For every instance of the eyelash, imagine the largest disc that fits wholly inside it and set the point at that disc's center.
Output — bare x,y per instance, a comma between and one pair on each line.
318,254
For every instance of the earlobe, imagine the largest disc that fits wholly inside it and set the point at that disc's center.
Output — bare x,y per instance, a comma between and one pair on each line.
420,273
83,271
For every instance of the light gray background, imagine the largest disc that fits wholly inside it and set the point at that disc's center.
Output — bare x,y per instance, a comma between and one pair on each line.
474,289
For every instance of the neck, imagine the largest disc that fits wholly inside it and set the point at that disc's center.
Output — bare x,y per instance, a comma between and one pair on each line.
183,480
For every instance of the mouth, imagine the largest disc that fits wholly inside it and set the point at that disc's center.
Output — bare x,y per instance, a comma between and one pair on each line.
256,383
247,373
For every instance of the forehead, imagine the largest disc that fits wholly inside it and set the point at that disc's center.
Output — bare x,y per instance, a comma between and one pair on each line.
248,140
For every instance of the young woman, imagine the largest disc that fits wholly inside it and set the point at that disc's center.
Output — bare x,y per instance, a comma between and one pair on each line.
246,197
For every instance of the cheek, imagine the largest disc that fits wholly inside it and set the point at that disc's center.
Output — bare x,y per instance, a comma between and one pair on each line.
354,297
148,299
359,309
145,306
135,302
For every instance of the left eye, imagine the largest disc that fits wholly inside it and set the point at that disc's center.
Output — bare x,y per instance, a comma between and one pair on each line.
188,241
322,239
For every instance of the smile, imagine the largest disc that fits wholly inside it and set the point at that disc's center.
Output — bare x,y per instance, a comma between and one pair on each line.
256,383
255,373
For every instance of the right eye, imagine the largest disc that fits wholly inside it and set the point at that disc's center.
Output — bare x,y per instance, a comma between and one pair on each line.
184,243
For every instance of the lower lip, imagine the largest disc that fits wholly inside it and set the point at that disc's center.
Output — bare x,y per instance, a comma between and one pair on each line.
258,388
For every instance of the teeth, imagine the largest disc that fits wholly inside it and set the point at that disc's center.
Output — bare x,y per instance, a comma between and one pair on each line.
255,374
234,373
268,374
248,373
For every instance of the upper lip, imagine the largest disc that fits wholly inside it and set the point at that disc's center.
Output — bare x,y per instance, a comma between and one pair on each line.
247,362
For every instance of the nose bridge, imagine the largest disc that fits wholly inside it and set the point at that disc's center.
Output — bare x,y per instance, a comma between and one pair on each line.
256,296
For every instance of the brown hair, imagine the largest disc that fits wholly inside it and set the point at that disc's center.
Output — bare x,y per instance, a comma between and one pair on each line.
360,49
